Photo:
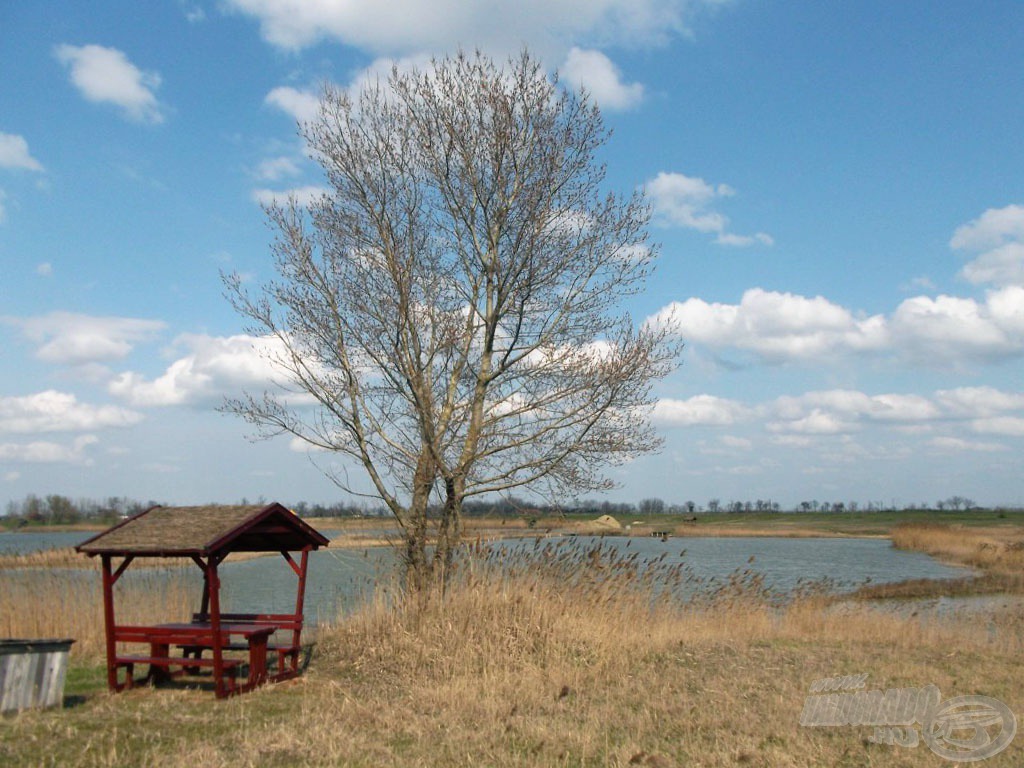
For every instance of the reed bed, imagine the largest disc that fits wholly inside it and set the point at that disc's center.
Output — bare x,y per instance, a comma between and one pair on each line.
58,603
999,549
524,603
57,557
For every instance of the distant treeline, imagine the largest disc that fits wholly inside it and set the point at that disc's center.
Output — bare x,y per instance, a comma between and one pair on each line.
61,510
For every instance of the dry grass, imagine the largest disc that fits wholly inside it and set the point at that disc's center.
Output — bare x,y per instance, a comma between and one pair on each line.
991,549
562,658
38,603
57,557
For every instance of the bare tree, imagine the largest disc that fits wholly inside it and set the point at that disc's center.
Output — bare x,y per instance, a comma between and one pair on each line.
452,304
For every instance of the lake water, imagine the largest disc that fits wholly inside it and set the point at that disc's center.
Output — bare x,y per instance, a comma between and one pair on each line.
33,541
340,579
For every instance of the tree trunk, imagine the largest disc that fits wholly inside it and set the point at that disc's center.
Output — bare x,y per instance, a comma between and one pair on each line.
418,566
449,529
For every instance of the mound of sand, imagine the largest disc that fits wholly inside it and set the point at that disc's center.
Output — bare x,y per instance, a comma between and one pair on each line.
605,523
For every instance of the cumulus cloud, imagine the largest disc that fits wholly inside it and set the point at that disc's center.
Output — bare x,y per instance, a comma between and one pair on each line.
303,196
43,452
303,106
783,327
978,402
949,328
74,339
994,227
410,26
804,420
106,76
774,326
596,73
53,411
14,153
699,410
998,238
838,411
687,201
211,368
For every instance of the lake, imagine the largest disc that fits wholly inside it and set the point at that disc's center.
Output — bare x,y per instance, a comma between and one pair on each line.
342,578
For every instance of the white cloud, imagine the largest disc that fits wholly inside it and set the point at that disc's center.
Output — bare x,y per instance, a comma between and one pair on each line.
304,196
775,326
948,328
298,445
53,411
303,106
687,201
276,168
816,422
683,201
1000,266
41,452
978,402
105,75
957,444
70,338
596,72
698,410
1012,426
45,269
783,327
412,26
742,241
994,227
211,368
14,153
797,420
998,234
839,410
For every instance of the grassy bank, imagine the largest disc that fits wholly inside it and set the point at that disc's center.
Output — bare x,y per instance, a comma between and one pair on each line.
995,552
565,661
875,523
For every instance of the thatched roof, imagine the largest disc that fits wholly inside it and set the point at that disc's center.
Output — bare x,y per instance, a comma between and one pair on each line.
175,531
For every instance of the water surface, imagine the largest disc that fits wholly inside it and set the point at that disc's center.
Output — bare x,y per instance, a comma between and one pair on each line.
341,579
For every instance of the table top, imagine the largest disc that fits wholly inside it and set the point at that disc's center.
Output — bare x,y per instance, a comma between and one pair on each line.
226,627
200,630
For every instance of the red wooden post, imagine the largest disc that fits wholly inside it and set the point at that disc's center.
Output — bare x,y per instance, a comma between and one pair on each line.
299,602
108,621
213,583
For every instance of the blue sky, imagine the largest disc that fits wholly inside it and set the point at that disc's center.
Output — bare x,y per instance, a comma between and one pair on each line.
838,192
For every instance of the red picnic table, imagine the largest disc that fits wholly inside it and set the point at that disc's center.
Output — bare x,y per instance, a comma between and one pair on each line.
206,535
193,639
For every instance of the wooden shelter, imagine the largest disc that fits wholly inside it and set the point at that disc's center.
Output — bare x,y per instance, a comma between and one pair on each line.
206,535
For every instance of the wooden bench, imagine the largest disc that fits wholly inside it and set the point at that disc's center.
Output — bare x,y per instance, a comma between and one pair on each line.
229,666
287,652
